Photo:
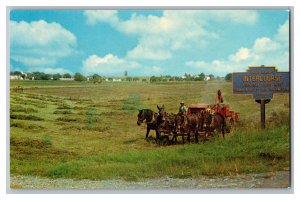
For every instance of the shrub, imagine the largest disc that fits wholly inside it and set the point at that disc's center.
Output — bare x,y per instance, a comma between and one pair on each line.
79,77
133,102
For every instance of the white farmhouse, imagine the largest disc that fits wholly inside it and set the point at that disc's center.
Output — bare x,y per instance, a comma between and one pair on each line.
207,78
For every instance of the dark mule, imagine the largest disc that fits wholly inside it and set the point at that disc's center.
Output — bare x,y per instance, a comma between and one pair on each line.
181,126
219,123
187,125
213,122
161,110
193,126
166,123
151,119
206,123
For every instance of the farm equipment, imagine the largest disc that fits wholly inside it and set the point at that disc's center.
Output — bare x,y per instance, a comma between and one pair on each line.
230,116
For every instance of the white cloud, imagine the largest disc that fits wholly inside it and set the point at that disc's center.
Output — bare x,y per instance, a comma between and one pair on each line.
144,52
153,70
94,16
33,61
236,16
113,65
265,51
56,70
283,33
49,70
265,44
161,36
39,43
109,64
241,54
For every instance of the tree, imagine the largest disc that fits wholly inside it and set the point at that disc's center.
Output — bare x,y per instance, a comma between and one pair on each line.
125,73
201,76
228,77
40,76
211,76
97,78
45,76
67,75
56,77
177,78
188,77
172,79
153,79
198,79
17,73
79,77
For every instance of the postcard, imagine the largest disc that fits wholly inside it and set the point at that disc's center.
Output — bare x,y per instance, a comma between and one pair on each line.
149,99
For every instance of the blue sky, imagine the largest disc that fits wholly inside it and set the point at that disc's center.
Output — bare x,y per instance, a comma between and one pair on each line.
148,42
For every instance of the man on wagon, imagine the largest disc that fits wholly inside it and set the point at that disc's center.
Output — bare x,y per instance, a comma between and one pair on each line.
182,109
220,107
219,100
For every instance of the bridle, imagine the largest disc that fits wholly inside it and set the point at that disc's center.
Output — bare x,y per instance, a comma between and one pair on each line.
142,118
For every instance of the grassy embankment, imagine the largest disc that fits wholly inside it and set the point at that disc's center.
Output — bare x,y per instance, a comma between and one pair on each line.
83,130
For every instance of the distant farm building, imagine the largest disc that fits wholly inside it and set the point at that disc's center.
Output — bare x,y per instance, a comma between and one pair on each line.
117,80
16,77
114,79
66,79
207,78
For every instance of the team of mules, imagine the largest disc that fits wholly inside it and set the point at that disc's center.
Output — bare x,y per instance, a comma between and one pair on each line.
174,125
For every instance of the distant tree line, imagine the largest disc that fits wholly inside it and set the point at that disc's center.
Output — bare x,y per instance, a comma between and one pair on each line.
228,77
44,76
98,79
185,77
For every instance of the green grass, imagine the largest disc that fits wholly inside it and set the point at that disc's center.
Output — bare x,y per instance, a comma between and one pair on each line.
89,131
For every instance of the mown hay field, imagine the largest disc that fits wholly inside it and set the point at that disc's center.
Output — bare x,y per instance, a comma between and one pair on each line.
83,130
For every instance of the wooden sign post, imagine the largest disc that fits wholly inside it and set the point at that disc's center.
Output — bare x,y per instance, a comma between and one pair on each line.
262,82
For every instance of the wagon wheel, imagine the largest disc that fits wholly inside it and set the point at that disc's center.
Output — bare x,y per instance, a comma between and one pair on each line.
151,139
164,140
174,138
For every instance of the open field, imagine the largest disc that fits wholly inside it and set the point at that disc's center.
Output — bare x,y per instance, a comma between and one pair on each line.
88,131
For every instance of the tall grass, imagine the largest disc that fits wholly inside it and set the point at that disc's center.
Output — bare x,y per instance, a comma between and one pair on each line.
132,103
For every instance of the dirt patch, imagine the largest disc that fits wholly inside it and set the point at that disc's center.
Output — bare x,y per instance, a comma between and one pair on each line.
264,180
